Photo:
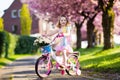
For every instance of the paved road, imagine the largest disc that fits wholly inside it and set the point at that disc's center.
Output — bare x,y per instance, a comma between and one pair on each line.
23,69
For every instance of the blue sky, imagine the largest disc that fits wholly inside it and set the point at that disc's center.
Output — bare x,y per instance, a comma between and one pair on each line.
4,4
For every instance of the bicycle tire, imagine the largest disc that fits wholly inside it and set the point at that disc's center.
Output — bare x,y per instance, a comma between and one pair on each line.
73,67
41,67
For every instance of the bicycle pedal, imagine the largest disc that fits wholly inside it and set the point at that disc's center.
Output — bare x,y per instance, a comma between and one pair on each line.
62,66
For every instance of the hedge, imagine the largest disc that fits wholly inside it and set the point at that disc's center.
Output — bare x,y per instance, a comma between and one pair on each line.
7,44
25,45
11,44
2,42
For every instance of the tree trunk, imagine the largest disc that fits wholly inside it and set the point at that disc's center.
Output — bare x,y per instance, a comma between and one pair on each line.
108,27
90,34
90,31
96,37
78,32
107,22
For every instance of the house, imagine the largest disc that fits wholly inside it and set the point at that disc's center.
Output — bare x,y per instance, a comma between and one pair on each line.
12,19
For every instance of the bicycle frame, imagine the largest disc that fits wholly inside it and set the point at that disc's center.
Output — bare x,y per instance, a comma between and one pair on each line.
57,59
52,54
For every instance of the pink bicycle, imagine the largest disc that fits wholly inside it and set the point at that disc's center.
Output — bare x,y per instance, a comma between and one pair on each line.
44,63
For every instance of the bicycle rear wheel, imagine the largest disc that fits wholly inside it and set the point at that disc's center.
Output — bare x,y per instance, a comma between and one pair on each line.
73,65
42,67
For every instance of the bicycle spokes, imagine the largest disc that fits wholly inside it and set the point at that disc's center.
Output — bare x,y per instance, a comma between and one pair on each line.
73,65
42,67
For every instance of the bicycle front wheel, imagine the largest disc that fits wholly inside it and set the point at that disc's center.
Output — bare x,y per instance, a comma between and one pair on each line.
73,65
42,67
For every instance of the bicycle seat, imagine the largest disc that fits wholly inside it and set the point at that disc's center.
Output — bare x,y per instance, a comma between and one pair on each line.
76,53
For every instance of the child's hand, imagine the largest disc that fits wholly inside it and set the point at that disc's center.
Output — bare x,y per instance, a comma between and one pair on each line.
44,35
61,34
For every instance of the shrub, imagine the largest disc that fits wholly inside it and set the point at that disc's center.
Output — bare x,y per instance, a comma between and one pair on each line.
12,43
25,45
2,42
7,44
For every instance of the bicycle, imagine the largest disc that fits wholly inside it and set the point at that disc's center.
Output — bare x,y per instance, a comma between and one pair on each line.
44,64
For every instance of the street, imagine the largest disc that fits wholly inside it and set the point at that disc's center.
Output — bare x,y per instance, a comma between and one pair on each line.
23,69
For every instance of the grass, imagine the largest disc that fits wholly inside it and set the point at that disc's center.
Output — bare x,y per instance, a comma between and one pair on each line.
98,60
4,61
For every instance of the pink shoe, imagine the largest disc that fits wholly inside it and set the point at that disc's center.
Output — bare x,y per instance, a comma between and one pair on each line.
62,72
57,65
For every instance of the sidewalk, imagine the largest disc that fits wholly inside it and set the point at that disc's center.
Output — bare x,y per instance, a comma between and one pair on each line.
23,69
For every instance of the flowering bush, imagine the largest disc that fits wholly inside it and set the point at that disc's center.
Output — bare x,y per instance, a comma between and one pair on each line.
42,41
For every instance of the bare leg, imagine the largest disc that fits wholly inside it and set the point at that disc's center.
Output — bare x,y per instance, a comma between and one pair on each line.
64,57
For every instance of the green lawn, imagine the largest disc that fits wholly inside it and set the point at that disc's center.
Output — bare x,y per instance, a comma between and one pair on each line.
98,60
4,61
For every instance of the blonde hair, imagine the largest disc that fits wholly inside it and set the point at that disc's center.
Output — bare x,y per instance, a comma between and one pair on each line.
59,25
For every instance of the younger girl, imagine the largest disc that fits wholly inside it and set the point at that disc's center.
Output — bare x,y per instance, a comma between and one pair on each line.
64,31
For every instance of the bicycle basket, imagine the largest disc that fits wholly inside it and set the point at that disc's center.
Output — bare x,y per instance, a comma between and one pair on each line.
46,49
